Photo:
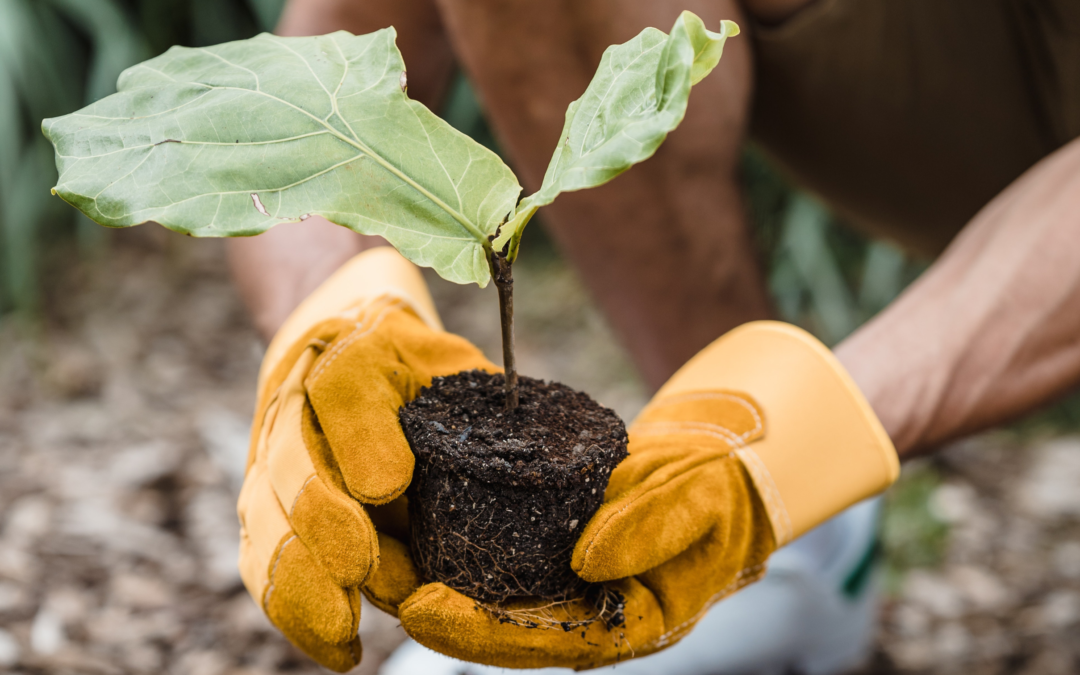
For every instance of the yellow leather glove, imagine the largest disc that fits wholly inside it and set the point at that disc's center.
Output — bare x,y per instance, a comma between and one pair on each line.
319,510
756,440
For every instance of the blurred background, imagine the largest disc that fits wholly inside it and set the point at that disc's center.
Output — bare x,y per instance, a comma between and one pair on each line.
127,369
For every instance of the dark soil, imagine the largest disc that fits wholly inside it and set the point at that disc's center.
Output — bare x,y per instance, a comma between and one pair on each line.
498,500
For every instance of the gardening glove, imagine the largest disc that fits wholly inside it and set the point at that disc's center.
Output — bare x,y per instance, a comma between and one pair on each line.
757,439
320,514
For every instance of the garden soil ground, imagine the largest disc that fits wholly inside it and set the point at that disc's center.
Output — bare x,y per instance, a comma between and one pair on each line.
123,431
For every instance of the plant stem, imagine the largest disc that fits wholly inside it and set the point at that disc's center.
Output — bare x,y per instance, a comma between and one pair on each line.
504,282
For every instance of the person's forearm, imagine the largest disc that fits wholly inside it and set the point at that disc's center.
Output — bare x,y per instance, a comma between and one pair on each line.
992,330
278,269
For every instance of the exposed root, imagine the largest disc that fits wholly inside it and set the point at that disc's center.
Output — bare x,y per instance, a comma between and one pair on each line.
603,604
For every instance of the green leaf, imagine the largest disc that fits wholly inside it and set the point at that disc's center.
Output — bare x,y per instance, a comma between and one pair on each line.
638,95
233,139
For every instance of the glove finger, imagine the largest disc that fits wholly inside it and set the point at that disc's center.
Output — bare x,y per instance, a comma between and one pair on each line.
521,634
308,606
358,384
446,355
681,477
731,556
296,593
336,531
263,526
355,389
340,658
333,527
396,577
270,380
659,518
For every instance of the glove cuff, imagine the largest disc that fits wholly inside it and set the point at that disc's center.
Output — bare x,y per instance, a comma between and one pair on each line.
823,449
380,271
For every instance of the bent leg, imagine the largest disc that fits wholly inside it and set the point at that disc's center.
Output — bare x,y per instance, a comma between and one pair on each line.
664,248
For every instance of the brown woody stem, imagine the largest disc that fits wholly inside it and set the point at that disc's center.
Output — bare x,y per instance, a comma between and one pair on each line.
504,282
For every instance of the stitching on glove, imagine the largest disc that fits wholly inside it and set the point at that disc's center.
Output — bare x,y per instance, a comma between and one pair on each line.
774,503
270,586
759,424
359,332
747,576
268,418
329,357
300,492
372,555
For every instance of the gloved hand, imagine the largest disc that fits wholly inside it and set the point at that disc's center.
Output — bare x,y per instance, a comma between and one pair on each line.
756,440
319,510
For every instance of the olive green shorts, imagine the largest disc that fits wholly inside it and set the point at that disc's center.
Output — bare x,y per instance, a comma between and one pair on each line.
908,116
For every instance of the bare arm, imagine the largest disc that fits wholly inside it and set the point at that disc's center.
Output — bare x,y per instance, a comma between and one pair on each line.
992,330
278,269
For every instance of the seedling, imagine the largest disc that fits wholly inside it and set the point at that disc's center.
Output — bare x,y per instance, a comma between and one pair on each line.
228,141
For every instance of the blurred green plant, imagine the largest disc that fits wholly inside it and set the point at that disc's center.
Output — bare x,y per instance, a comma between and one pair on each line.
911,535
55,57
823,275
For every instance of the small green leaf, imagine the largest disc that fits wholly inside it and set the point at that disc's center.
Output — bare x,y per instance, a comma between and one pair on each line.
233,139
638,95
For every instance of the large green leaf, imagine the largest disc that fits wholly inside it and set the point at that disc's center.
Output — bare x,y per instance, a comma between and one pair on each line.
638,95
234,139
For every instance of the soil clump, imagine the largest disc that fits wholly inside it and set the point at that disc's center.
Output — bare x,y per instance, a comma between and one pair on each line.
498,500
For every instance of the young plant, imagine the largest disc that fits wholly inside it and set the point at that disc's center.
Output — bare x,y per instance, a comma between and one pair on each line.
228,141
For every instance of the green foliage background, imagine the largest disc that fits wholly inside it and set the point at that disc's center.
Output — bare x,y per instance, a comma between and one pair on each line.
55,57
